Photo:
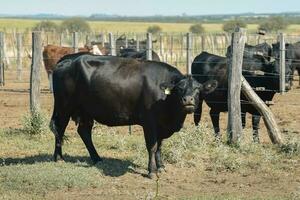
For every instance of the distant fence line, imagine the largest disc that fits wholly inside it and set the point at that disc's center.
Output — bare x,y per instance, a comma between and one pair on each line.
171,48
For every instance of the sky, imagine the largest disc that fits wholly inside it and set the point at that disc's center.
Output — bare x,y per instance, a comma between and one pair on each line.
146,7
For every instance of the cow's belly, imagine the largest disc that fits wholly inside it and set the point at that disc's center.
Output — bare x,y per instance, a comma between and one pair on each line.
112,115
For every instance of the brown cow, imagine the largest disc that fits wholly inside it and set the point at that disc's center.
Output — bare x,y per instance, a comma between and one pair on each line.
52,54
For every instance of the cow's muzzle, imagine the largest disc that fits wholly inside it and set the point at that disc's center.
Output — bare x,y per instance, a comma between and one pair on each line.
188,103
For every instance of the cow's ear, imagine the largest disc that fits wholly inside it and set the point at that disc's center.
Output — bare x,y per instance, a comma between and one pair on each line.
166,88
209,86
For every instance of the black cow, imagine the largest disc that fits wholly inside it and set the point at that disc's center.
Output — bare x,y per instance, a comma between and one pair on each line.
123,42
207,66
141,55
292,55
263,49
119,91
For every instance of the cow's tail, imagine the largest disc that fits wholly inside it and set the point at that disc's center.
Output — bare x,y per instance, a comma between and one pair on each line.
52,124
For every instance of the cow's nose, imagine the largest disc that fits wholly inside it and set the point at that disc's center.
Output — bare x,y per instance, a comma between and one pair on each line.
188,100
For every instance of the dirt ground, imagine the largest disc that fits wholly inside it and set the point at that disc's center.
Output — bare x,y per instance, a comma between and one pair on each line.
176,182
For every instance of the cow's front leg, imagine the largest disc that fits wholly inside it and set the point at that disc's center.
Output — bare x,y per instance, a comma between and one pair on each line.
159,163
151,144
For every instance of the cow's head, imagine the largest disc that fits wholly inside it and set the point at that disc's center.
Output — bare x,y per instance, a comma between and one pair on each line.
186,91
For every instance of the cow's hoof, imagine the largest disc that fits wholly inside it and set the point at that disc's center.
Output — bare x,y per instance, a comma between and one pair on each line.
59,159
152,175
161,169
97,160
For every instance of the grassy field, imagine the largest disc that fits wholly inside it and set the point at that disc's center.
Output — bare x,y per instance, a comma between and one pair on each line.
198,168
20,24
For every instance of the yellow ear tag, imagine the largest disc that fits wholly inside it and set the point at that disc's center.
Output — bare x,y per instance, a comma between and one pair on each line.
167,91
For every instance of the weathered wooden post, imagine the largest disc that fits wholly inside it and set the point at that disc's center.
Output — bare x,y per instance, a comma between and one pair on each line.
235,62
87,40
161,46
137,43
172,47
149,46
61,38
189,53
126,42
282,63
37,62
19,56
112,44
75,41
102,39
2,82
202,42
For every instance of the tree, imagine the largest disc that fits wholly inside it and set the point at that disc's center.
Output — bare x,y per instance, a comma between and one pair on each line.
47,26
155,29
273,24
197,28
232,24
75,25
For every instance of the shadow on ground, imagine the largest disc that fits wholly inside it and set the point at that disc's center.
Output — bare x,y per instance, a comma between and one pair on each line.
108,166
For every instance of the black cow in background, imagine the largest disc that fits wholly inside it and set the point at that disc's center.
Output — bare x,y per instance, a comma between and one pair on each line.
119,91
292,55
250,51
207,67
141,55
131,44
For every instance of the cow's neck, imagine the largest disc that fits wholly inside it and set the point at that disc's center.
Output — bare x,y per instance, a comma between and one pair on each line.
176,115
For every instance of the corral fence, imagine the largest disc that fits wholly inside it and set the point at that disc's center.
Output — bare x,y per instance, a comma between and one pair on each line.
19,62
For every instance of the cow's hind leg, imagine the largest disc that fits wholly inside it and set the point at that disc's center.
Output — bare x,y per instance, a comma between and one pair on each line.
85,131
58,126
255,124
215,117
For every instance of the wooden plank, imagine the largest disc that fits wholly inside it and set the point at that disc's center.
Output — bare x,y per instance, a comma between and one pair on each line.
235,61
37,62
264,110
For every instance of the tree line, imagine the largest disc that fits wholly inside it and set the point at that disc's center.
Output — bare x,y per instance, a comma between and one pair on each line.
271,24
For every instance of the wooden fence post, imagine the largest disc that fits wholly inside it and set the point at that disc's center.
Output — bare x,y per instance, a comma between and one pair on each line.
19,56
112,44
75,42
126,42
202,42
235,61
188,53
2,81
61,38
102,39
282,63
37,62
161,46
171,48
87,40
137,43
149,46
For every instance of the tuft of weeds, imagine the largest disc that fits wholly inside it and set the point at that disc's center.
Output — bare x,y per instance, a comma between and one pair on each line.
35,123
